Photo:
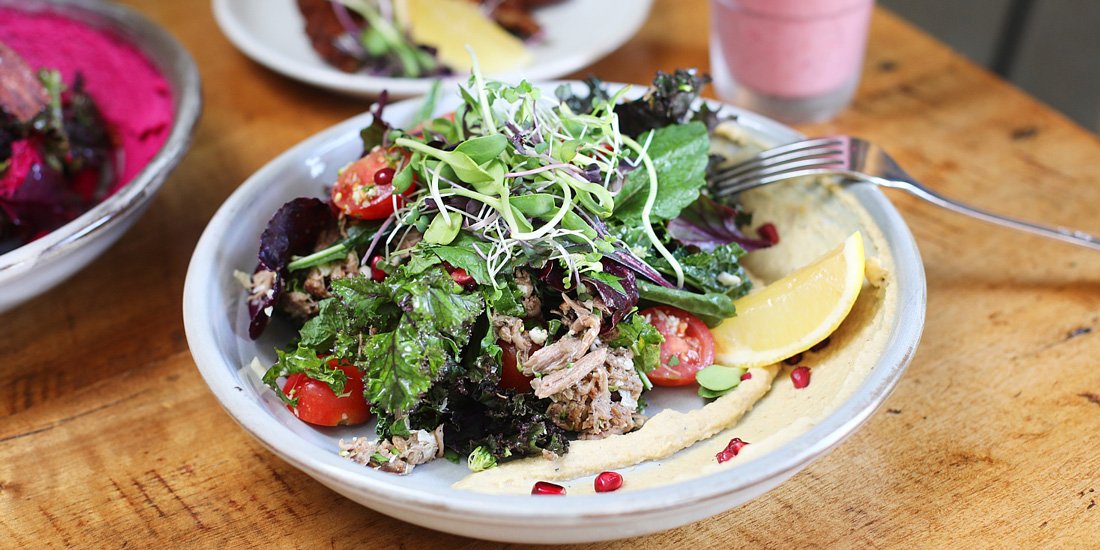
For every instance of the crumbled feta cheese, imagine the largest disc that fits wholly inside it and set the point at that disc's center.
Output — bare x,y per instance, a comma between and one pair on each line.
539,335
729,279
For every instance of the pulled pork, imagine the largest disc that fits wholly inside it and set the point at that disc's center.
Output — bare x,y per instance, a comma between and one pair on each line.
594,388
397,455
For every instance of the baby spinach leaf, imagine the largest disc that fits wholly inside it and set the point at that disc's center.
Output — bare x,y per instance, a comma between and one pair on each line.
679,155
711,307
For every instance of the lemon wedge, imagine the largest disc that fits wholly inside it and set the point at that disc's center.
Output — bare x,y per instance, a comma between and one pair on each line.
792,314
451,25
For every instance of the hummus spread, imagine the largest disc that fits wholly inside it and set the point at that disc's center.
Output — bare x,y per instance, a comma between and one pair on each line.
813,217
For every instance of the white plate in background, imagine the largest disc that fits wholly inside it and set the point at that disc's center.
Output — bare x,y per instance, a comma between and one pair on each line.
576,34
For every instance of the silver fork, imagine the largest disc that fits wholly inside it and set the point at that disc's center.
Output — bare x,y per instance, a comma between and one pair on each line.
858,160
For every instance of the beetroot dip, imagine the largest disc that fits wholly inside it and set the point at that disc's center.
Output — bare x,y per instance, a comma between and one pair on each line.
135,100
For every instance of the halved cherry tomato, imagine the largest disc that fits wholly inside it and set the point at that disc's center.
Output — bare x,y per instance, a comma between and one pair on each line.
364,188
317,404
510,375
688,346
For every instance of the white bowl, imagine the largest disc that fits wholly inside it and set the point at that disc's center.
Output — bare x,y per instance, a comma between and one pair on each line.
37,266
216,320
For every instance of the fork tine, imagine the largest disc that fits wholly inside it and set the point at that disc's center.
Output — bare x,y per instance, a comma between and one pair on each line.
744,182
800,145
806,147
758,163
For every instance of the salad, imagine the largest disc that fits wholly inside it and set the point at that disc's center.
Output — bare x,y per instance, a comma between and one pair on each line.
419,38
494,283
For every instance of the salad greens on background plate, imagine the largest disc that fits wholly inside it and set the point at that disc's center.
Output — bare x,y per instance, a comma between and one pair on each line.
461,276
574,34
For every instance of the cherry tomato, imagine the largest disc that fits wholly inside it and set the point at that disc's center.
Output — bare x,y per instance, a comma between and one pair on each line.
460,276
317,404
688,346
510,376
364,188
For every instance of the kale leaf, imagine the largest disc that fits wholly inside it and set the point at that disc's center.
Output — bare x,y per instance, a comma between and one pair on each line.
668,102
717,270
680,157
417,324
643,339
304,360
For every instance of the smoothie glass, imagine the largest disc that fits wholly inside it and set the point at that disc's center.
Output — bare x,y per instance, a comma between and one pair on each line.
798,61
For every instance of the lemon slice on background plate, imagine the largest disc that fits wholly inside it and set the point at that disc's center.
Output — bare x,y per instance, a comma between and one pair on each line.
451,25
792,314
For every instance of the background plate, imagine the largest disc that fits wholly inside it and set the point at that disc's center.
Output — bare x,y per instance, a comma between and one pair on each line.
577,33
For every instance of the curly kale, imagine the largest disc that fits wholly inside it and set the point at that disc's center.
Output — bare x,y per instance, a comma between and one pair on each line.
669,101
477,414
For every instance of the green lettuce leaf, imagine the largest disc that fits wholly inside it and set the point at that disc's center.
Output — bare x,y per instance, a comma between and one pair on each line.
680,157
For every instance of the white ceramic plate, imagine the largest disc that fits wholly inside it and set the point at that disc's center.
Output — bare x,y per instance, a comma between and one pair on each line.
577,33
216,319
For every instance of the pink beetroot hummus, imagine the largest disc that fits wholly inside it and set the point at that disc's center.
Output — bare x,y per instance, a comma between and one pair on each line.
133,97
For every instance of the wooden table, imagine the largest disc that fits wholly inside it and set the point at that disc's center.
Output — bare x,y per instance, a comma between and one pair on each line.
992,438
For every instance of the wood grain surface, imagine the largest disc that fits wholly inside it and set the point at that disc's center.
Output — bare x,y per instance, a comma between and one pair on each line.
992,439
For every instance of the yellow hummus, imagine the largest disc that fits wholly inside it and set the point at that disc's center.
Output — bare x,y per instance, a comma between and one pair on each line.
813,217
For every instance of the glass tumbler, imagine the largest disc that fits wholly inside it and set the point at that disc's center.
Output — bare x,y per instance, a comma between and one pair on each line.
798,61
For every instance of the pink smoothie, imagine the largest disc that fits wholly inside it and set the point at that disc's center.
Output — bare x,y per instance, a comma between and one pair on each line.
791,48
134,98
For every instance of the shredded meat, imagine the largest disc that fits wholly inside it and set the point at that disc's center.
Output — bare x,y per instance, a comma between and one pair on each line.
570,347
570,376
604,402
298,305
318,279
594,388
263,284
510,331
397,455
531,303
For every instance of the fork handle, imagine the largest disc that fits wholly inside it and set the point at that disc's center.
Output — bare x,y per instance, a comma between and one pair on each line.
1063,234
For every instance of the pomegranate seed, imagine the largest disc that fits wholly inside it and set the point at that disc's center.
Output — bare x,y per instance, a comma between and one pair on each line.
384,176
547,488
376,272
746,376
608,481
731,450
794,359
769,233
801,377
820,345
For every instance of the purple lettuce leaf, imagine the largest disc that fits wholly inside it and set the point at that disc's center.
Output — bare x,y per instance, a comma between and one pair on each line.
622,255
708,224
292,231
616,286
